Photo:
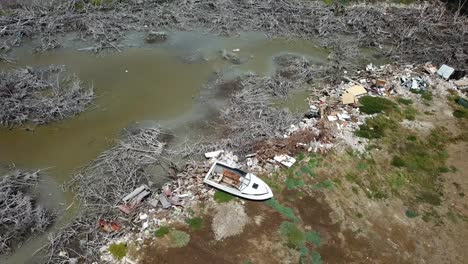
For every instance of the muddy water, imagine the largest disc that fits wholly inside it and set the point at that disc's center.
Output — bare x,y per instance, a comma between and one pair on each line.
155,83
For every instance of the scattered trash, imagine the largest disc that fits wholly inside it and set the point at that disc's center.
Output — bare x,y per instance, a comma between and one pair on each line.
463,102
213,154
356,90
236,50
164,202
134,199
109,226
348,98
416,83
332,118
286,160
445,71
429,68
461,84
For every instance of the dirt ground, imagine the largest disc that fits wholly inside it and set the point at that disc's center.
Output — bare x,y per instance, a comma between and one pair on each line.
353,228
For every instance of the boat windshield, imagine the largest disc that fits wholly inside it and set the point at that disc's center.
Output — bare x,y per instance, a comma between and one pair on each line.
245,181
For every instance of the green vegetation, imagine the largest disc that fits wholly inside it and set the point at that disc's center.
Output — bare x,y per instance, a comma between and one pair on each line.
411,213
398,161
425,95
327,184
162,231
374,105
222,197
294,182
376,127
179,238
297,239
404,101
286,211
410,113
294,237
118,251
316,258
195,223
460,113
313,237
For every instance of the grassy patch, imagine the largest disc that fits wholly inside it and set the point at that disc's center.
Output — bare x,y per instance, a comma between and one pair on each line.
293,183
313,238
179,238
195,223
118,251
294,237
374,105
316,258
222,197
404,101
326,184
425,95
376,127
286,211
410,113
398,161
162,231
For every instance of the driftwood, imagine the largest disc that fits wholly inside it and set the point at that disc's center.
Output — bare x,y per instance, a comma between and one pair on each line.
20,215
413,33
40,96
99,187
250,114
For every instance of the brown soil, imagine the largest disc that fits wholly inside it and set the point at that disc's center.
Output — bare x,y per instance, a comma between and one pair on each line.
203,248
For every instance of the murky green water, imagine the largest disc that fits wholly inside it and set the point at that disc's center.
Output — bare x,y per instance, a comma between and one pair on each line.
150,83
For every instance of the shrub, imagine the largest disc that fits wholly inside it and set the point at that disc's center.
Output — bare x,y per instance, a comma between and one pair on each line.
286,211
313,237
222,197
294,237
398,161
316,258
411,213
375,127
118,251
374,105
179,238
162,231
195,223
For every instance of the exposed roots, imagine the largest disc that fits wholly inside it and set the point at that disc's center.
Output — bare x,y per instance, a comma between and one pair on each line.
40,96
20,215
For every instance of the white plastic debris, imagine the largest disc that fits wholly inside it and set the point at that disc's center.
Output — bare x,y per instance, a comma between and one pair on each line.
236,50
445,71
332,118
286,160
213,154
144,225
143,216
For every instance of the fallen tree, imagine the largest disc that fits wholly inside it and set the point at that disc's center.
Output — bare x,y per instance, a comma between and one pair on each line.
40,96
20,215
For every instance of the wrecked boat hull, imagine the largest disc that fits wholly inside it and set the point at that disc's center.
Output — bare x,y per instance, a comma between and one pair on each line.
237,182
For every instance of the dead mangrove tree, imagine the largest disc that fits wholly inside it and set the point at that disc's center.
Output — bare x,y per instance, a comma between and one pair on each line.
40,96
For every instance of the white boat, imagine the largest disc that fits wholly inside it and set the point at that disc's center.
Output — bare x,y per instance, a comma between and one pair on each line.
237,182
